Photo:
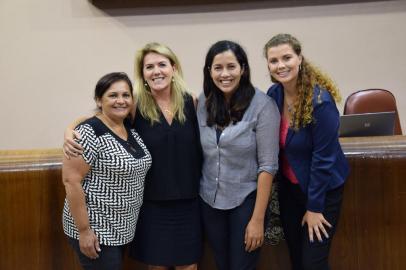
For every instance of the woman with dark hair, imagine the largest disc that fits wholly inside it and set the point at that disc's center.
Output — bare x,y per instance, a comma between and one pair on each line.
313,166
169,228
104,185
239,128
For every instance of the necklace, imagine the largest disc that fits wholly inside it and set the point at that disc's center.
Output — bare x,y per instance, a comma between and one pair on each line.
168,111
221,128
290,107
130,145
165,107
119,130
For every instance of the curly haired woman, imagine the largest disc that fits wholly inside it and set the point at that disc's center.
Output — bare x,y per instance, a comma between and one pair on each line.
312,165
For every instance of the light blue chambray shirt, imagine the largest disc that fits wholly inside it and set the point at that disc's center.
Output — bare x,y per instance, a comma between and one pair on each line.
231,167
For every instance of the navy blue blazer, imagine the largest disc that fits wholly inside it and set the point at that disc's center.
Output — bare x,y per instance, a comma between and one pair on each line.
314,152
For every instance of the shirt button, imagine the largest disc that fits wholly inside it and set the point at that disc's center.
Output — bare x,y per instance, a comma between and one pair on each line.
218,163
217,179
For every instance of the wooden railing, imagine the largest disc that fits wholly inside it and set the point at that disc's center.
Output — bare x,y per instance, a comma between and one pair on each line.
371,232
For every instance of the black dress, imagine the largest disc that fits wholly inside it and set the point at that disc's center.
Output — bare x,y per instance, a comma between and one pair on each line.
168,231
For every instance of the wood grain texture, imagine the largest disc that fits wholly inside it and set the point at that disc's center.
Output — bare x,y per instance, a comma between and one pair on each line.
370,233
30,221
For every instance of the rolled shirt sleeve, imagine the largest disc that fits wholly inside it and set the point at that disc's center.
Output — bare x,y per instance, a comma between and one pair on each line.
267,137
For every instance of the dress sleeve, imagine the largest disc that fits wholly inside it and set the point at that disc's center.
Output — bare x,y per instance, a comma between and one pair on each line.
325,143
89,142
267,137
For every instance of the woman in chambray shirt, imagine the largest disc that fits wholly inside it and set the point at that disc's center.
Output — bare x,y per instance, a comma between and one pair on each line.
239,129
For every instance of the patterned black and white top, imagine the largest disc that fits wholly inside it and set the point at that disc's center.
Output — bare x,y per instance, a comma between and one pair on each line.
113,186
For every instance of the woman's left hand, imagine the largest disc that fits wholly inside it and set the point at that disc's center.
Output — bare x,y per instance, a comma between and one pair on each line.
254,235
315,223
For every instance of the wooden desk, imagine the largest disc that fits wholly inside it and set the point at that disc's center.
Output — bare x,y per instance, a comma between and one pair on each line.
371,234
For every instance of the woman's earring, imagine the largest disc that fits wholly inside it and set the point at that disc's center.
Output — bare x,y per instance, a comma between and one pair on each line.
173,79
300,67
147,86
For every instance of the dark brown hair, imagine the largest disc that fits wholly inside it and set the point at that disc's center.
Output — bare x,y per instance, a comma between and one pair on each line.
219,112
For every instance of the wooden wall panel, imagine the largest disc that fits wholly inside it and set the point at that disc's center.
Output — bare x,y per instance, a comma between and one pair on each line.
31,228
371,233
31,200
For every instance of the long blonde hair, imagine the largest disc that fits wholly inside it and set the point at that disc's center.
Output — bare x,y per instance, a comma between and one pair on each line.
309,76
145,101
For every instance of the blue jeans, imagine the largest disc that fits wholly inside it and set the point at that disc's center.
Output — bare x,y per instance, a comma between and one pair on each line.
110,257
225,231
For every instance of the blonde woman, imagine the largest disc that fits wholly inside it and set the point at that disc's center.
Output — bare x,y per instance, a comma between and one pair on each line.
168,233
168,230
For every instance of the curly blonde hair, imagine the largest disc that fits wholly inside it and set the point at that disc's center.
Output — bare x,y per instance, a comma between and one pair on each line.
145,101
309,76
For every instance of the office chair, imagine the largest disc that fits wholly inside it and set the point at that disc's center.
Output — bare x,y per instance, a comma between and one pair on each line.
373,100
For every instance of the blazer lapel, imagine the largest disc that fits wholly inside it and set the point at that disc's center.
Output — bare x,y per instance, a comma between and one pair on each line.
278,96
289,136
279,101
